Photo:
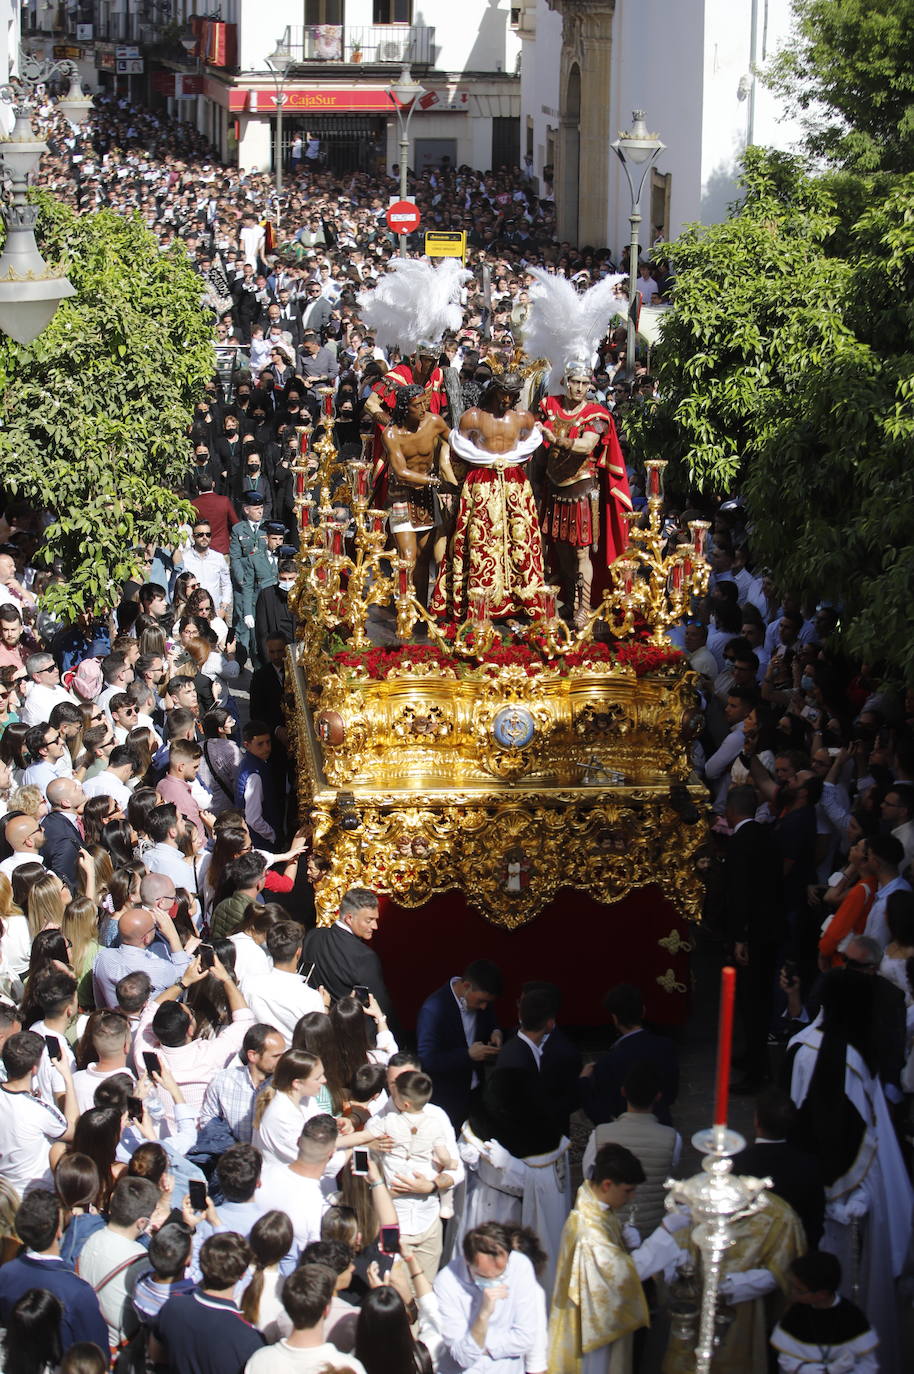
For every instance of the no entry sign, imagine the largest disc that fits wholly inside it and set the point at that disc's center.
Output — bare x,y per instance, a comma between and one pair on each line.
403,217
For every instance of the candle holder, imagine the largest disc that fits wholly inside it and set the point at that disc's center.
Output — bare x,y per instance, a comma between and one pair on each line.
655,467
699,530
716,1199
358,471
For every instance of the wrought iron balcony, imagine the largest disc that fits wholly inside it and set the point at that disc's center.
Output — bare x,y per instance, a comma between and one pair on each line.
372,44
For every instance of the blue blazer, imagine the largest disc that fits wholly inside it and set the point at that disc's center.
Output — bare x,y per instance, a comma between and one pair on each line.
601,1094
82,1318
444,1053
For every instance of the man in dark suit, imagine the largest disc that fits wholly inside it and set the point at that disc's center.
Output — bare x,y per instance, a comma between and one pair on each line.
754,927
316,309
458,1034
268,683
63,841
341,954
796,1176
541,1048
601,1083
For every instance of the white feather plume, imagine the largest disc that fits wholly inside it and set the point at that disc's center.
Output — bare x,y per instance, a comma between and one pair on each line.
414,301
563,325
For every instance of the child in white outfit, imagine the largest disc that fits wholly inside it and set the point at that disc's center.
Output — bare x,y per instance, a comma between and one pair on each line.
415,1130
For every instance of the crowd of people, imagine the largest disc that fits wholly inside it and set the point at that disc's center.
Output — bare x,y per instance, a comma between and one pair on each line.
216,1149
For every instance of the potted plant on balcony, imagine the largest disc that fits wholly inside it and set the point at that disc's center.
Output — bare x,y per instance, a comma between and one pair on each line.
355,52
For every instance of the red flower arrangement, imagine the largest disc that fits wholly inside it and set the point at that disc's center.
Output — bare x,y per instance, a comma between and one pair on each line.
376,664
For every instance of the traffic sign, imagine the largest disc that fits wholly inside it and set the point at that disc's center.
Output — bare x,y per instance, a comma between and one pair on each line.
403,217
441,243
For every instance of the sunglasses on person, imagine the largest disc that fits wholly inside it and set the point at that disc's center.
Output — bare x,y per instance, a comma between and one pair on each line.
203,534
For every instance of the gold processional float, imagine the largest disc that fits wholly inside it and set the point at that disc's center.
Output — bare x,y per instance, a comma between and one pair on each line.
507,761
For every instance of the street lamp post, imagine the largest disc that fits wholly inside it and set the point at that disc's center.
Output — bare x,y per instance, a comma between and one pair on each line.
280,62
403,96
637,150
30,290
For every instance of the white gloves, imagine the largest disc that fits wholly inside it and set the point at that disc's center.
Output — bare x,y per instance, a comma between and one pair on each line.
249,621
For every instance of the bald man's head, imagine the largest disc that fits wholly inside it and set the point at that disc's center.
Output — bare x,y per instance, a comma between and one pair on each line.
136,927
155,887
24,834
66,794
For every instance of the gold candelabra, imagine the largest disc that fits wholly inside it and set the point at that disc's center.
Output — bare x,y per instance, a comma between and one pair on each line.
347,568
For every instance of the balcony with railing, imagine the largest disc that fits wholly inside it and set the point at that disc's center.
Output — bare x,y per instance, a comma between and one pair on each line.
367,44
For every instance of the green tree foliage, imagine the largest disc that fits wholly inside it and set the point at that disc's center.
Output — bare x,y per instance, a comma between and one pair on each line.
850,72
95,411
787,371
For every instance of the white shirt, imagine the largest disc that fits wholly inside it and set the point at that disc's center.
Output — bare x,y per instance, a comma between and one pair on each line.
85,1081
251,959
300,1198
164,858
8,866
40,702
281,999
28,1128
280,1127
212,572
512,1324
108,784
282,1358
417,1211
39,775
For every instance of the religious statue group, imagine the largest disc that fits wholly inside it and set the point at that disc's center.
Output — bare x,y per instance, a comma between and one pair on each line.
508,491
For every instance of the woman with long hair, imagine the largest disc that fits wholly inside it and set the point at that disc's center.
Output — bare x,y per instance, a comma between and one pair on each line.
229,841
31,1342
383,1340
80,927
186,583
123,893
47,897
207,999
23,879
315,1034
201,605
9,697
12,750
97,1134
250,938
117,838
142,744
76,1183
221,759
15,939
139,808
270,1239
153,642
284,1107
49,948
95,815
343,1040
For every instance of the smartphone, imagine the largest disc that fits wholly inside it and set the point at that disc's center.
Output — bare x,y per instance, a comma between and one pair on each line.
135,1108
360,1162
362,993
207,956
197,1190
53,1045
390,1240
152,1062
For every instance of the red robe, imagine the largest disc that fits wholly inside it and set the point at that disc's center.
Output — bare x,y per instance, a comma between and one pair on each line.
607,460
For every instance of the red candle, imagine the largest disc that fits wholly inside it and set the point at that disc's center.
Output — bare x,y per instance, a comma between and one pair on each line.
300,483
403,568
328,404
724,1044
653,480
687,567
677,576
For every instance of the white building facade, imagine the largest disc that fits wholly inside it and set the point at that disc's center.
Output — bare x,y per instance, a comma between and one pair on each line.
689,64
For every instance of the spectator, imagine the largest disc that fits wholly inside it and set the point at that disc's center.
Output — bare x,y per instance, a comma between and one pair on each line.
112,1258
340,953
306,1296
38,1226
204,1332
282,997
138,929
232,1092
458,1033
601,1083
32,1130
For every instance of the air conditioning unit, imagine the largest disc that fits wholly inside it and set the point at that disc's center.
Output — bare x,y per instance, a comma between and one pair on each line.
392,52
